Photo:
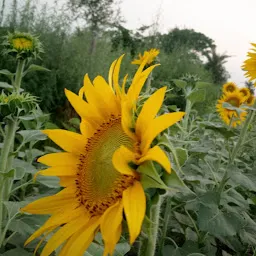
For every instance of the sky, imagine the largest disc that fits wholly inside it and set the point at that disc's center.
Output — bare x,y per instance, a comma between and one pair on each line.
230,23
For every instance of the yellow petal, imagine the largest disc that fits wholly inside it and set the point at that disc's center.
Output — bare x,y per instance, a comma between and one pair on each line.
134,201
111,226
121,159
59,171
110,74
52,204
59,159
157,154
107,95
149,111
86,128
83,109
127,119
116,76
95,98
64,233
69,141
66,181
158,125
57,220
138,82
79,242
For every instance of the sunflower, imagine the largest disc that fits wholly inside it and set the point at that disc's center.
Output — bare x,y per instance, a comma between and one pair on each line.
98,169
149,55
229,87
231,117
245,92
250,64
250,101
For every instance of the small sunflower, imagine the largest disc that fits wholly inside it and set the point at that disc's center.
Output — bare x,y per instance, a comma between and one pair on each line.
229,87
231,117
250,101
149,55
250,64
22,45
245,92
99,167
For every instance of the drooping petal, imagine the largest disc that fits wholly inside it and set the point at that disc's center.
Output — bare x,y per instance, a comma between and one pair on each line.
59,159
157,154
67,170
57,220
158,125
64,233
110,74
111,226
83,109
149,111
80,241
121,159
52,204
116,76
134,201
69,141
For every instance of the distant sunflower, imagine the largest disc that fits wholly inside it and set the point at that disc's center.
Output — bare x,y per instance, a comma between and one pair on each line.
250,101
229,87
149,55
250,64
98,169
231,117
245,92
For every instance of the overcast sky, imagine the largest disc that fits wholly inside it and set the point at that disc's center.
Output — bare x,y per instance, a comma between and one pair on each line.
231,23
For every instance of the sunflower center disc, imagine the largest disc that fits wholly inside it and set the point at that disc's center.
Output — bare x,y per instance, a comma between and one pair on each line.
99,184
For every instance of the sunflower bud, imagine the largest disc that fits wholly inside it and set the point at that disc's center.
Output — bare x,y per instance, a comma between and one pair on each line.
22,45
16,104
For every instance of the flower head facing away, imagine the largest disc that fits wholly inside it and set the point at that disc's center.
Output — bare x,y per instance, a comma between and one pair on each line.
148,55
250,64
22,45
98,169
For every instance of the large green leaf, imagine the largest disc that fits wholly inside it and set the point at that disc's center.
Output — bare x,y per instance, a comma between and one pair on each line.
17,252
197,95
32,135
180,83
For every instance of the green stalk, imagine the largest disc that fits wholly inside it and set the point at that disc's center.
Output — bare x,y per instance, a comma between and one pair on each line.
242,135
18,75
6,150
167,214
152,231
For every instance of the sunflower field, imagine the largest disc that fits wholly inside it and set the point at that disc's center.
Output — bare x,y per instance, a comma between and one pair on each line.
116,143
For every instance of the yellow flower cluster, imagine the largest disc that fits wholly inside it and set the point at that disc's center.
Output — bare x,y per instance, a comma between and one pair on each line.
237,97
148,55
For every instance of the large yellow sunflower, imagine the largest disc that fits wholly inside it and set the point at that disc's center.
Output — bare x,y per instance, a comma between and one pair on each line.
250,64
245,92
98,169
231,117
149,55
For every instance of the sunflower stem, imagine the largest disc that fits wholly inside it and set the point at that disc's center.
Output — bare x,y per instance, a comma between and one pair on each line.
5,164
152,229
19,74
242,136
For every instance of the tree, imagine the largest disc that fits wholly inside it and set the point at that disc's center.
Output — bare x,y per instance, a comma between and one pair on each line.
185,38
215,64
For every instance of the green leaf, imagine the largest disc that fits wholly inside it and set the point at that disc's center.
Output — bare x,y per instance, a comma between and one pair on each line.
17,252
32,135
197,96
150,177
203,85
182,154
34,67
231,107
216,222
7,73
17,225
170,250
180,83
6,86
13,208
20,164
